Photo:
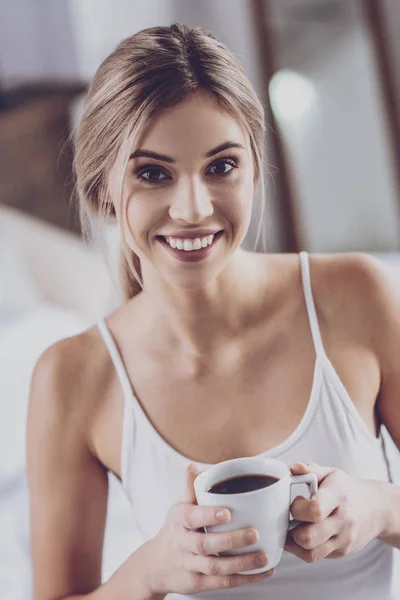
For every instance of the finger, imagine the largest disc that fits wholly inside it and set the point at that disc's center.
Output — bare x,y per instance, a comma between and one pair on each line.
339,552
189,495
314,535
299,468
231,581
214,543
217,565
317,508
312,556
195,517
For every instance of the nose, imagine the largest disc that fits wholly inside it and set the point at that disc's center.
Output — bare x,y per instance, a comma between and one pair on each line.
192,203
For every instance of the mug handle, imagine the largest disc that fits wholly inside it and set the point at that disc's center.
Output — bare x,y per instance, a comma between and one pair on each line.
312,481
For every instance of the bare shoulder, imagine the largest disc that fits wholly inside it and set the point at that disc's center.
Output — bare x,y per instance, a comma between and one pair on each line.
67,380
360,264
358,277
61,360
363,293
353,281
357,300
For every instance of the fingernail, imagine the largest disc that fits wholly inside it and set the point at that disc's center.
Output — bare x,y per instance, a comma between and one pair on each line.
251,537
302,466
261,560
223,515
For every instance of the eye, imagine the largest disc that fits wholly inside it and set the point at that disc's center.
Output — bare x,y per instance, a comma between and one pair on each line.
151,174
219,167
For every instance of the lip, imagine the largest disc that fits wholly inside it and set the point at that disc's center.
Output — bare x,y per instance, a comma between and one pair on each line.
191,255
189,235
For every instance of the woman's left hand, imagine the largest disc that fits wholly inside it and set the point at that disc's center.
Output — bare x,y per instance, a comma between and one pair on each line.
341,518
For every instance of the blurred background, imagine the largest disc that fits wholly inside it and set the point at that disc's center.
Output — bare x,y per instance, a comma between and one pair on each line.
328,74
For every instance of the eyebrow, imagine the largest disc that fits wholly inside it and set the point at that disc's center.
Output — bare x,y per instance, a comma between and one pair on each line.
168,159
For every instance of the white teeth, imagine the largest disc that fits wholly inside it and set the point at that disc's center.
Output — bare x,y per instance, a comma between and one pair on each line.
197,244
190,244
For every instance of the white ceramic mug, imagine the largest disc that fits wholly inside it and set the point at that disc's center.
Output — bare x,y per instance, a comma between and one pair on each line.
266,509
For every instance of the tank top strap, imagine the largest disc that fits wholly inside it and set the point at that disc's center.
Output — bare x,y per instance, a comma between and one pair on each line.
128,426
115,357
312,313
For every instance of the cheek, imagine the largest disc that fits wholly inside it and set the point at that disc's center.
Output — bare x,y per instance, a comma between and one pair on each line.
134,213
140,219
240,201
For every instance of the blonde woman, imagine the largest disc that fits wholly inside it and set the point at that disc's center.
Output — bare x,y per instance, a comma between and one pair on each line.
217,353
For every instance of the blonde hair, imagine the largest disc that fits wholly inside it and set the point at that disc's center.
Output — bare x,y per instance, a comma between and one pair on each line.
156,68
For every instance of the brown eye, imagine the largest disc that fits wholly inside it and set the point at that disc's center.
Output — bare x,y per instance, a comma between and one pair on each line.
220,167
151,175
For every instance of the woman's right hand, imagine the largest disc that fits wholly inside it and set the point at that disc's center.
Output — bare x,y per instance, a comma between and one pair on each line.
180,557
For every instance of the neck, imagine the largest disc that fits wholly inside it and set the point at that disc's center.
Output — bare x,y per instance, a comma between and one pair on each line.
197,322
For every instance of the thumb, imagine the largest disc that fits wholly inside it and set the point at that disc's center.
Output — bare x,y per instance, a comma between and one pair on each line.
189,497
300,468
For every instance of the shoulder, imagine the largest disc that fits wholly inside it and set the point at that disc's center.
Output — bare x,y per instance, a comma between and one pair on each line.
358,277
67,381
62,366
350,280
344,264
362,292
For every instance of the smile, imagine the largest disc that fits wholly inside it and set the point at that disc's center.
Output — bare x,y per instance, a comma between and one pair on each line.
190,250
190,244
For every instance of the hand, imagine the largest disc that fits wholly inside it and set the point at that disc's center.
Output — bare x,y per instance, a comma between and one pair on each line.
180,557
341,518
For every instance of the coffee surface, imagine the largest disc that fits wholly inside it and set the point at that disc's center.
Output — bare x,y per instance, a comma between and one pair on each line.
243,483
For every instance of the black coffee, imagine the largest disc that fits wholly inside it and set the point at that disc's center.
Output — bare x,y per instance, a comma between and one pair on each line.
243,483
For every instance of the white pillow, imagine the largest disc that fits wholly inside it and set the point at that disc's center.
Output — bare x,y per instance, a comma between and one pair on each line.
392,259
22,341
18,291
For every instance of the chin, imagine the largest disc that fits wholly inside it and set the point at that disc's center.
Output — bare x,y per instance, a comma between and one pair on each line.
193,279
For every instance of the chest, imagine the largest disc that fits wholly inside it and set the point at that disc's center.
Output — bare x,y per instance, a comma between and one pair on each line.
246,400
230,408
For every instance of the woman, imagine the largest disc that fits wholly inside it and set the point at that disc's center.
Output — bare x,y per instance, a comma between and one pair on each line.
217,353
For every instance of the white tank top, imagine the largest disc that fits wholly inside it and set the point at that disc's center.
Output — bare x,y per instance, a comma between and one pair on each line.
331,433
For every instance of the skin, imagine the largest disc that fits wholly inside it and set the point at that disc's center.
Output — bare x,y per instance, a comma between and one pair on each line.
225,336
186,198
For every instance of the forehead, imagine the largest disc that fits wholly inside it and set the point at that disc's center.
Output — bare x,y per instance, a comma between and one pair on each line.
190,129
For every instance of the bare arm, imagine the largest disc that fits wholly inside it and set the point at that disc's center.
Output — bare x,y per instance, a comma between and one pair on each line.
387,334
379,291
68,489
